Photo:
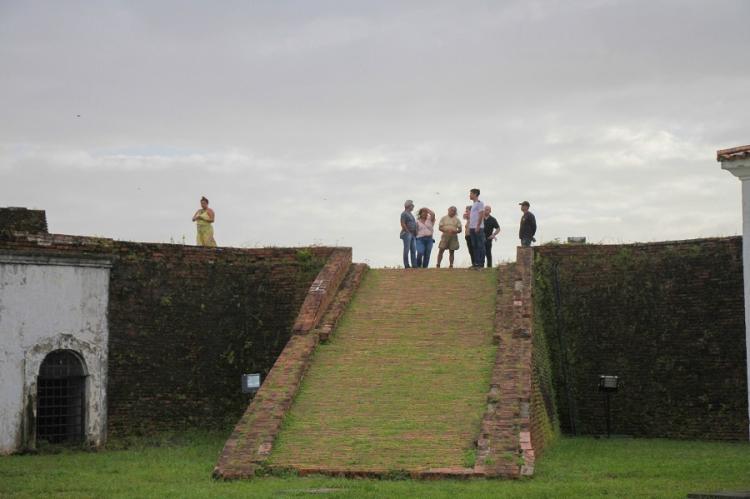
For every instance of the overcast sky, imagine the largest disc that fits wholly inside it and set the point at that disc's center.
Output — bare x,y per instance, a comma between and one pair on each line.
311,122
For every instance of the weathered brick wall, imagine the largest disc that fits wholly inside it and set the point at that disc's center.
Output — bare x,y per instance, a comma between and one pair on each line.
23,220
543,414
668,318
252,440
185,322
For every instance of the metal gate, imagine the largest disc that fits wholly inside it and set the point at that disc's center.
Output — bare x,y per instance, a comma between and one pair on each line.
60,399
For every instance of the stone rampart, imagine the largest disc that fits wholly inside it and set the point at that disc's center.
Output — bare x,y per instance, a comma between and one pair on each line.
667,318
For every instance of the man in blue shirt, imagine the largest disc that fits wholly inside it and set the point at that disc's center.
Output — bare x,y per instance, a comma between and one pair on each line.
409,234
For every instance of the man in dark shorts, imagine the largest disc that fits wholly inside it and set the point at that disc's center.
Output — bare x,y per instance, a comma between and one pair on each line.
491,230
528,225
450,226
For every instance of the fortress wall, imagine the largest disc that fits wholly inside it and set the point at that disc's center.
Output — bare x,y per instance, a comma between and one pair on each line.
23,220
185,322
668,318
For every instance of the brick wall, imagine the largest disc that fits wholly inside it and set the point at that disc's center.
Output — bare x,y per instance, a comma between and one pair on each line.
185,322
543,415
23,220
668,318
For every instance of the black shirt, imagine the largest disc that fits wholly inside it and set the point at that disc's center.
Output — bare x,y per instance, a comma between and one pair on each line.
528,226
490,224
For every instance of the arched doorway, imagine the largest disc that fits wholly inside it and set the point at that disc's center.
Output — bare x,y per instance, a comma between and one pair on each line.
60,398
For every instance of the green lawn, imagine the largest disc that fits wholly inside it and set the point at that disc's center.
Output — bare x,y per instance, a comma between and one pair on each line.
574,467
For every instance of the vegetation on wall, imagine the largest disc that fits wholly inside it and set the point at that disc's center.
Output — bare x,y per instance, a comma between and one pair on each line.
545,421
184,327
665,317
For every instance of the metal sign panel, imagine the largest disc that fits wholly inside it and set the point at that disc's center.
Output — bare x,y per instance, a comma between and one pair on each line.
250,383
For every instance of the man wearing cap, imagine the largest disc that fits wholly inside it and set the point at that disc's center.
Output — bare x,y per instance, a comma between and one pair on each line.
409,234
528,225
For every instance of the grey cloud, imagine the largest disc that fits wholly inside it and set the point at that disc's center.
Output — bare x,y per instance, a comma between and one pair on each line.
310,122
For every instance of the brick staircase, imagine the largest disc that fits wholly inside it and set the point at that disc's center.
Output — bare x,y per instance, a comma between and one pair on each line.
427,374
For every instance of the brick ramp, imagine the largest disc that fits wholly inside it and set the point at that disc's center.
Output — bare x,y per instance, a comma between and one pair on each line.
402,385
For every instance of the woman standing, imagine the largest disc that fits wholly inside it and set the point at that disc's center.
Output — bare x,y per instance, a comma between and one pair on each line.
425,224
203,219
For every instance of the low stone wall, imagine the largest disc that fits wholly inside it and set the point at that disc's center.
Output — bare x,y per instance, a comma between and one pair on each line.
521,418
668,318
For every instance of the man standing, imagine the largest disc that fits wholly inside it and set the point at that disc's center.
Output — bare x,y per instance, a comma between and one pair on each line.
450,226
476,228
528,225
491,230
409,234
467,235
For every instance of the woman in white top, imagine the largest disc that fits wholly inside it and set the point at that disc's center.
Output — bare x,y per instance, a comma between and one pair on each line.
425,224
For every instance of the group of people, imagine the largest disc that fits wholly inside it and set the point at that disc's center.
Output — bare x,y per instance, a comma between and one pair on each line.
480,229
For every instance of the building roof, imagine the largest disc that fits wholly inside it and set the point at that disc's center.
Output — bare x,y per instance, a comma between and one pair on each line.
734,153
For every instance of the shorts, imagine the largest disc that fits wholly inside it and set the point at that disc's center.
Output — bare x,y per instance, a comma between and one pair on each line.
449,242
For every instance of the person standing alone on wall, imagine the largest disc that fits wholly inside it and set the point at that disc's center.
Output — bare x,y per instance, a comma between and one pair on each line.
203,219
409,234
476,228
528,225
491,230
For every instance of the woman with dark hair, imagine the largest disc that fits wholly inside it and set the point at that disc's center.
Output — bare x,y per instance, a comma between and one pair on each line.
203,219
425,225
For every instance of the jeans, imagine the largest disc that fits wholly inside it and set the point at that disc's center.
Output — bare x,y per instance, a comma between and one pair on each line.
525,242
410,249
424,248
477,241
488,251
470,247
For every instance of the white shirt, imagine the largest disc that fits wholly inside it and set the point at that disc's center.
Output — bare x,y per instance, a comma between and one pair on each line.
477,213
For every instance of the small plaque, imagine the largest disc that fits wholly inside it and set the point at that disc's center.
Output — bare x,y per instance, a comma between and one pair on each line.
250,383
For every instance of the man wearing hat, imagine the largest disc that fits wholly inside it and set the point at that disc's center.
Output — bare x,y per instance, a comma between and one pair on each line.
528,225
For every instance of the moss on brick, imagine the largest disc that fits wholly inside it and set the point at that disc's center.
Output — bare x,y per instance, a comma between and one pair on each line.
666,317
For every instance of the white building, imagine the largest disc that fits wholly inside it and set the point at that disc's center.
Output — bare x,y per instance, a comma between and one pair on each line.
53,350
737,161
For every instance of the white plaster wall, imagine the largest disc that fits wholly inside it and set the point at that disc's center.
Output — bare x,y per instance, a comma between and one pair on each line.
741,169
49,304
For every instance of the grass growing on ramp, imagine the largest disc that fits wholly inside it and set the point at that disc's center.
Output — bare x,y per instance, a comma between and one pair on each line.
402,383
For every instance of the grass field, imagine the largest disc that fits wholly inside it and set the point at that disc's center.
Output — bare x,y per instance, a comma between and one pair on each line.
574,467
